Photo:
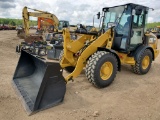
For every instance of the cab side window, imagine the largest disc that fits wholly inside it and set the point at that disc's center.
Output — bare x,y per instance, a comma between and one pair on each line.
137,29
138,21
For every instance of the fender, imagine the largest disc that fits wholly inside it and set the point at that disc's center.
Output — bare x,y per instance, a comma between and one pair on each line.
113,52
136,54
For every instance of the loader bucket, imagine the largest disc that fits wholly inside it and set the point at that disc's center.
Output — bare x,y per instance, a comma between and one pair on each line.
39,84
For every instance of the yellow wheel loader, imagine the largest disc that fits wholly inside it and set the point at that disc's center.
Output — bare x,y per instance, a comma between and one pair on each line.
156,31
122,39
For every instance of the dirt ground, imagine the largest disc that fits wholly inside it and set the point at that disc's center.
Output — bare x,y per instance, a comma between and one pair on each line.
129,97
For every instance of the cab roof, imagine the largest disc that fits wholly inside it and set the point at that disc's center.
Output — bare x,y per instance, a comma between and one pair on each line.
131,4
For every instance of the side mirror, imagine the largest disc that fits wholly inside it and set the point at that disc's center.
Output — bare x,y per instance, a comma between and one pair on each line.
98,15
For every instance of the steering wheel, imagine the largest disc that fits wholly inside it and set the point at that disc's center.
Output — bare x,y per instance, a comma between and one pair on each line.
119,27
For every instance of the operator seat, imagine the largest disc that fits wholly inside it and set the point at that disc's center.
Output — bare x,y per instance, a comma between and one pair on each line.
120,40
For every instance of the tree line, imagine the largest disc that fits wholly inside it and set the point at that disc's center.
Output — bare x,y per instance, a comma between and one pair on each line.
152,25
16,22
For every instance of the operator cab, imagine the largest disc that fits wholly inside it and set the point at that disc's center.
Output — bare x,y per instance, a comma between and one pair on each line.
129,25
63,24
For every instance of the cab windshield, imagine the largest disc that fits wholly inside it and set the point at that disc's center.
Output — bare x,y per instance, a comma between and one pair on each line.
120,17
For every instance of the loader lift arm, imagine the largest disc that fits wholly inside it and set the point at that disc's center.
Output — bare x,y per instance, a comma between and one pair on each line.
72,47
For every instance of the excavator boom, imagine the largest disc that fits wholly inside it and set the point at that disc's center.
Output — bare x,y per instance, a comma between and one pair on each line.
39,14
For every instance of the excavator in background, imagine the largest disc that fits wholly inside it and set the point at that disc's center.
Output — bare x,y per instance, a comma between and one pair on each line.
47,22
55,25
40,28
51,31
44,21
41,15
122,39
44,24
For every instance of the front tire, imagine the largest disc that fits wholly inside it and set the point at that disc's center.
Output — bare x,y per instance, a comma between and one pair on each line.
101,69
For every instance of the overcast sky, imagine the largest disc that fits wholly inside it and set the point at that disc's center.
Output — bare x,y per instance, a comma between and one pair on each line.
75,11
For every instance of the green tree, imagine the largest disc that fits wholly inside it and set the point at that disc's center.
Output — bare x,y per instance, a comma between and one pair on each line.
12,23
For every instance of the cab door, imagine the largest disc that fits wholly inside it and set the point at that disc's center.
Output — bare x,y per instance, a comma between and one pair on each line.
137,33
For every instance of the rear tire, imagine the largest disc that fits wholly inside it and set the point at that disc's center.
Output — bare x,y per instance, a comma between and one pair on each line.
69,69
101,69
143,64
